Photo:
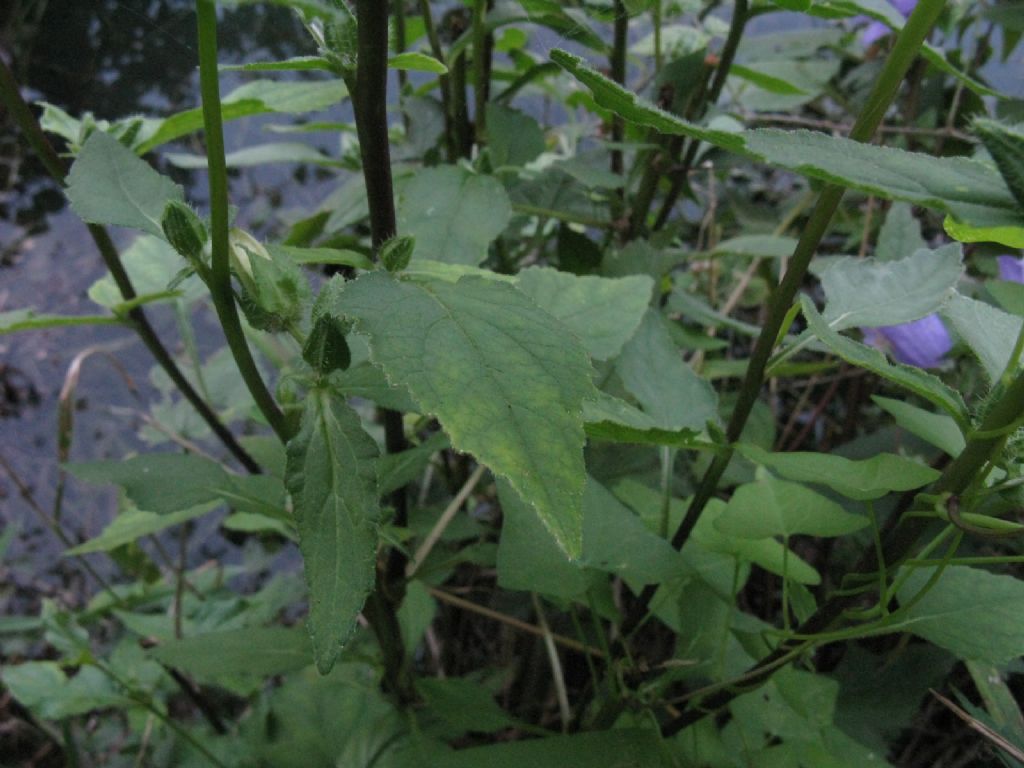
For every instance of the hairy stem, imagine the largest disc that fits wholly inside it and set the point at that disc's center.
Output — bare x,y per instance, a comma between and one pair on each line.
220,282
10,95
370,101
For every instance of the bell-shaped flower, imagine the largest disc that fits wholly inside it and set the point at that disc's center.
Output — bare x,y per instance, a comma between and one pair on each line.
1011,268
923,343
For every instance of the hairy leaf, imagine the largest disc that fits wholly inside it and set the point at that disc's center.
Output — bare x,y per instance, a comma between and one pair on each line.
453,214
506,380
159,482
108,184
260,651
966,188
869,293
603,312
989,332
331,474
668,390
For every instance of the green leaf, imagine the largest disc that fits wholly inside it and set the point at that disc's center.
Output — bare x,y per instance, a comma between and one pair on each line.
260,154
514,139
453,214
794,5
763,246
396,253
464,704
615,540
152,264
935,428
294,64
602,312
254,98
619,748
29,320
871,293
43,688
417,62
108,184
258,651
668,390
528,558
766,81
159,482
1006,146
769,553
779,508
963,187
399,469
863,480
989,332
900,235
974,614
132,525
326,349
1008,294
332,478
611,419
338,256
505,379
1005,232
914,379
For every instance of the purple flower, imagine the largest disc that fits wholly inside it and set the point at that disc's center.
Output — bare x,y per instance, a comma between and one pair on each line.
923,343
1011,268
876,29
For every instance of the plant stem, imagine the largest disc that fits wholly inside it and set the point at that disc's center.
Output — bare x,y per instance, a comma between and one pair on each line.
220,282
400,41
618,74
656,23
444,80
905,52
900,536
740,16
10,95
370,102
463,138
480,74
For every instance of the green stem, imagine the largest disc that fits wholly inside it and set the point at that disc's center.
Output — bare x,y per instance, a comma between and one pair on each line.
444,80
10,95
220,286
480,75
145,702
400,42
656,23
901,534
740,16
883,576
903,55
